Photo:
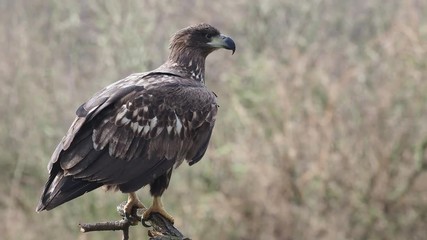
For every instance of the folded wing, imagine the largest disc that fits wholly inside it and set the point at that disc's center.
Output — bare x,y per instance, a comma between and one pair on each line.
129,134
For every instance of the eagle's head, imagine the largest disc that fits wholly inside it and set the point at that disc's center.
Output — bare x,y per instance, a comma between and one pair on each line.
190,46
200,39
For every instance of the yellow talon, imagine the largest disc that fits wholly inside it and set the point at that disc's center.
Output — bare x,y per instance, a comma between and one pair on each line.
133,201
158,208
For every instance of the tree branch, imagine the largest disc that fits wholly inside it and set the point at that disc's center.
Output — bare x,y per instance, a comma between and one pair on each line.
159,228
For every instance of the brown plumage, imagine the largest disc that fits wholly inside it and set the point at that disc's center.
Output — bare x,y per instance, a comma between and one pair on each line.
135,131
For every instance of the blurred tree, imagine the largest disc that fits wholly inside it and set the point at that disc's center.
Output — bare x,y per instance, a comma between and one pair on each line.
319,134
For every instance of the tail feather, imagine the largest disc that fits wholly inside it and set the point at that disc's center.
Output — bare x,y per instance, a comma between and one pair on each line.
60,189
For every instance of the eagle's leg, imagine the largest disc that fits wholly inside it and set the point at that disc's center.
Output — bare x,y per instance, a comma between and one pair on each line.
133,202
158,208
156,189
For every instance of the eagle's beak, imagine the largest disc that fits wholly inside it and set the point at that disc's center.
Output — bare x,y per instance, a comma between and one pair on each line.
222,41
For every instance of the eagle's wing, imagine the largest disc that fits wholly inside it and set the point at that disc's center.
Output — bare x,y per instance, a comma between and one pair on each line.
92,107
131,133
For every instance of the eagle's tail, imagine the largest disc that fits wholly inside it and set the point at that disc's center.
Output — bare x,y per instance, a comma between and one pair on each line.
60,189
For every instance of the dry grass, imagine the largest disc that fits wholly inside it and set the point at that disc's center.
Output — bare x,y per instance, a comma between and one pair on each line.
321,131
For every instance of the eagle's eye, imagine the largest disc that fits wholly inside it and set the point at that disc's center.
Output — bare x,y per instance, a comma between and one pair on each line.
208,36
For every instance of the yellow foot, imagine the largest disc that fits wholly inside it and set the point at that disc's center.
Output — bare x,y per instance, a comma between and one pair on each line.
157,207
133,202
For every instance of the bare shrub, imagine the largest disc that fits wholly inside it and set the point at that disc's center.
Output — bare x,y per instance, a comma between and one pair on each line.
321,132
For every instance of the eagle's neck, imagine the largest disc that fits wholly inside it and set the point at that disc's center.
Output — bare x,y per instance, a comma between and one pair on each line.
189,62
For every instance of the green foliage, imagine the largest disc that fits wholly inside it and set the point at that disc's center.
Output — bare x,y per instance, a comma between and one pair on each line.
321,129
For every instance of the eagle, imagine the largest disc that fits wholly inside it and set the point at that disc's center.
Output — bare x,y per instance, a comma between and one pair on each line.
136,131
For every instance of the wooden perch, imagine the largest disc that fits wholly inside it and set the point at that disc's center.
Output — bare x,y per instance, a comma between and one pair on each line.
159,228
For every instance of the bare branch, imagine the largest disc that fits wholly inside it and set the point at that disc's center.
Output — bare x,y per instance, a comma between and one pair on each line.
159,228
104,226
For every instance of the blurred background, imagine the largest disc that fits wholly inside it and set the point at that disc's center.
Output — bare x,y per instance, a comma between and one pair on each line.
321,133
